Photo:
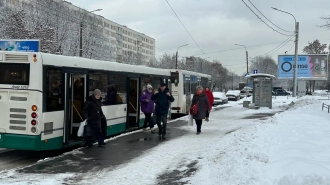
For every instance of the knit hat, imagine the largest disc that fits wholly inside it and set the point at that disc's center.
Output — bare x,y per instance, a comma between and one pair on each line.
149,86
97,92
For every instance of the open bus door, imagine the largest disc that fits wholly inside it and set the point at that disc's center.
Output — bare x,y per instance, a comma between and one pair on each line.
75,95
133,105
187,92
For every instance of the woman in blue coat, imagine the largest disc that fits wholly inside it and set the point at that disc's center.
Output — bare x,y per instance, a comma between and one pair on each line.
147,107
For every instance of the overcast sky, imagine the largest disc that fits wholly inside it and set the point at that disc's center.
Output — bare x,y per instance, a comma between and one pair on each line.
217,25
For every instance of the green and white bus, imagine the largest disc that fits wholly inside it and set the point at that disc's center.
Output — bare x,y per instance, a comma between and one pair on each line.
42,96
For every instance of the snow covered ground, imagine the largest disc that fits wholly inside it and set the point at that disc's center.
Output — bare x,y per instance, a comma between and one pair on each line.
290,148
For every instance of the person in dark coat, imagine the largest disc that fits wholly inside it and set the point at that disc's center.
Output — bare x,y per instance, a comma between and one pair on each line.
93,113
147,107
162,99
110,99
210,97
203,105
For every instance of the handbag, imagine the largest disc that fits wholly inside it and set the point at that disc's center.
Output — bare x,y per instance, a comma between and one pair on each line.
81,128
190,120
194,109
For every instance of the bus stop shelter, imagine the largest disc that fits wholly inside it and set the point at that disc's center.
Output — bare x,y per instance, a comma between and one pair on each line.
262,89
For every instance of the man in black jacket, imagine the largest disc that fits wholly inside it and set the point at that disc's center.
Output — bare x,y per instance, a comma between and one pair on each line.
93,113
161,99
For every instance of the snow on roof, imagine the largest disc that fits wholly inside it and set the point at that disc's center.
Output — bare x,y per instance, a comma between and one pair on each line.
78,62
260,75
191,73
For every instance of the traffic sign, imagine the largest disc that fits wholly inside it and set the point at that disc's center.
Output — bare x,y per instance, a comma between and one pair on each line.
255,71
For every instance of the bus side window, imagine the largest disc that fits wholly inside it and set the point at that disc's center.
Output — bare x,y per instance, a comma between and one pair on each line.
53,92
116,89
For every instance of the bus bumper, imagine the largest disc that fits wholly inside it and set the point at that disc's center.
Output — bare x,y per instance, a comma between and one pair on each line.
20,142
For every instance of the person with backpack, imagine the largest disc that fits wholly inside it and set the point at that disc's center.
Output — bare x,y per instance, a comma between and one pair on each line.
200,104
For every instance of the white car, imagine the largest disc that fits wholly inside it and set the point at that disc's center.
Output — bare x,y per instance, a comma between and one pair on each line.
219,98
244,93
233,95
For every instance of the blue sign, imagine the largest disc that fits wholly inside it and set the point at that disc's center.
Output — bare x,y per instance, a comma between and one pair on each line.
255,71
19,45
250,85
308,66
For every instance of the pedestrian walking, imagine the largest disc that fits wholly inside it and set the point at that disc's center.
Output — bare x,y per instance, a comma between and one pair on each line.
162,97
210,97
147,107
93,113
203,105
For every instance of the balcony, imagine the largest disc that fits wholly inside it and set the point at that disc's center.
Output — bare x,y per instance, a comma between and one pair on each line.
119,51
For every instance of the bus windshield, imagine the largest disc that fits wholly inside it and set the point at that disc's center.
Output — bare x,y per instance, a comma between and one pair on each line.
14,74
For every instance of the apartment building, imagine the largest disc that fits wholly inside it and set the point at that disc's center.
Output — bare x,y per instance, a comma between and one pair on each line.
126,41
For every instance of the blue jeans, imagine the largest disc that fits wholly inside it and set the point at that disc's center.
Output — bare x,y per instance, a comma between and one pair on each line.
162,128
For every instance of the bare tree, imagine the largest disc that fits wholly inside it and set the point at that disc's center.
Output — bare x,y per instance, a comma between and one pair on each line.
264,64
57,27
327,22
14,26
314,47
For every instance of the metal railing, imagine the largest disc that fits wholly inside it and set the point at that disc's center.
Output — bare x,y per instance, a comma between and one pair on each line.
325,106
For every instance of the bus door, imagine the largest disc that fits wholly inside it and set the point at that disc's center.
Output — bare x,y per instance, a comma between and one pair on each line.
169,86
187,90
133,105
75,97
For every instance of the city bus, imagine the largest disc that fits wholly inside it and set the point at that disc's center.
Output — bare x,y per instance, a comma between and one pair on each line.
183,86
42,96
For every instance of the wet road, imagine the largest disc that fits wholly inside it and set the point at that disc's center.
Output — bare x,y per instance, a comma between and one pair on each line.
116,152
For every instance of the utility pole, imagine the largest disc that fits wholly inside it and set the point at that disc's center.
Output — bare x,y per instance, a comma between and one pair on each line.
247,67
176,56
81,36
232,77
295,68
80,42
247,62
176,60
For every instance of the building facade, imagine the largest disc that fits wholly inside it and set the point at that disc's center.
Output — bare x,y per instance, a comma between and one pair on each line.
129,44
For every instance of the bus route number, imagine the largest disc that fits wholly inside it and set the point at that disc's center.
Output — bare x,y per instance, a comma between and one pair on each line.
20,87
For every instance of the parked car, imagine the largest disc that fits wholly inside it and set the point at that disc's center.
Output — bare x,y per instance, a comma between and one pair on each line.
233,95
244,93
250,93
219,98
281,92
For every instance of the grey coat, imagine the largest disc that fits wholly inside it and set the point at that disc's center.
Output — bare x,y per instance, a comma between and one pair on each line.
203,104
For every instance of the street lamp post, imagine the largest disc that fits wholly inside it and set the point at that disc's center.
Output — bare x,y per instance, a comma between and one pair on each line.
81,37
247,63
202,63
295,69
176,56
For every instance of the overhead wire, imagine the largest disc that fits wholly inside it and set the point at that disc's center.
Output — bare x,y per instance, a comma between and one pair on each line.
279,46
184,26
263,20
268,19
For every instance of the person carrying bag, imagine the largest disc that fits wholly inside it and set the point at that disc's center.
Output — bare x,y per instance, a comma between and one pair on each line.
200,104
